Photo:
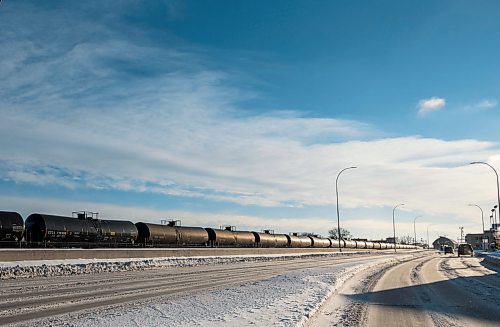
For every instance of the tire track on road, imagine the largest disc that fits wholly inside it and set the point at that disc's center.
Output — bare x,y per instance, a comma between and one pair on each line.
345,307
62,300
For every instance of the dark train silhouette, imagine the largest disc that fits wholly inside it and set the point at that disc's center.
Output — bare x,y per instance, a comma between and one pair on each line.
85,229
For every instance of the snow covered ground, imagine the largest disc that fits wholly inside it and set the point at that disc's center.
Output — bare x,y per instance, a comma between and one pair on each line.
288,299
493,258
46,268
489,257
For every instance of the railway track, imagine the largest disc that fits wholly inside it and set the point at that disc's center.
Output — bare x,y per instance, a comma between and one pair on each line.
24,300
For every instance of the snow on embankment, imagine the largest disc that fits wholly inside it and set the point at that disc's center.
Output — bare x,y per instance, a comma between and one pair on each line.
50,268
288,299
493,258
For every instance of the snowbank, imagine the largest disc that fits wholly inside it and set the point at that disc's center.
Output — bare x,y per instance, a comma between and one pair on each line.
493,258
289,299
50,268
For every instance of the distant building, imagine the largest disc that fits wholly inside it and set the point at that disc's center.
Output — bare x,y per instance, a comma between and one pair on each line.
391,240
442,241
492,237
475,240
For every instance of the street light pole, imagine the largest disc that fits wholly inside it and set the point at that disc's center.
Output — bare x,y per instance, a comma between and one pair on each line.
337,193
394,224
495,211
498,185
415,230
428,246
482,214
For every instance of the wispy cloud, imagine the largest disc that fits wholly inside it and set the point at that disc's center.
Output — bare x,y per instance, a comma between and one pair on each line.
265,161
362,224
114,113
118,114
481,105
426,106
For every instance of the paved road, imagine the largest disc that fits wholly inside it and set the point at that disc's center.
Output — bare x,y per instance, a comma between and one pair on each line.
27,299
411,290
434,290
437,291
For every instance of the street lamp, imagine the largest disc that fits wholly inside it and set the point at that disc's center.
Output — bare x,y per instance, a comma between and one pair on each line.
415,230
495,207
394,224
482,214
498,185
337,193
428,246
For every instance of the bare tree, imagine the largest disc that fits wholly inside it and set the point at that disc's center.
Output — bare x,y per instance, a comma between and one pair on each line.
346,235
406,239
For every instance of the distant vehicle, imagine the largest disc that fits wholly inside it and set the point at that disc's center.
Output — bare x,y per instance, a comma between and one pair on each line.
465,249
447,249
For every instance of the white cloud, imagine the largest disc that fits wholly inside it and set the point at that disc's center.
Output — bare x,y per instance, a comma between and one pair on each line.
180,133
486,104
136,214
209,154
73,116
426,106
481,105
374,227
265,161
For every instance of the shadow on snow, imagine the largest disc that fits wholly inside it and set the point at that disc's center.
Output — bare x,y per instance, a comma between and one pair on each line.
473,297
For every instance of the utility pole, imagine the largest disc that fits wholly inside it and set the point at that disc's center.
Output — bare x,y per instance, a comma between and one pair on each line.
415,230
337,194
428,243
394,224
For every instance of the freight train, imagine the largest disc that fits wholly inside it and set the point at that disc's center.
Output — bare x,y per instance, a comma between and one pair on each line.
85,229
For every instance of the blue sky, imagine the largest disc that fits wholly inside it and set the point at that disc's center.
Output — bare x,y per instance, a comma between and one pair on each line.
242,113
